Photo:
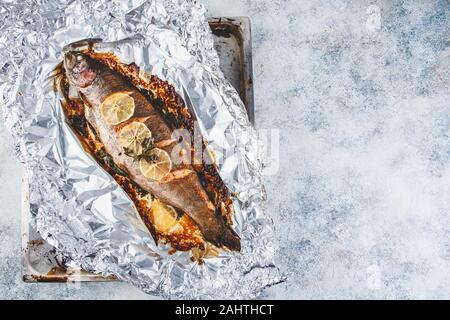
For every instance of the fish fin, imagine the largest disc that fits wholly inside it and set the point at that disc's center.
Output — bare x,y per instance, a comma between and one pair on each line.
176,175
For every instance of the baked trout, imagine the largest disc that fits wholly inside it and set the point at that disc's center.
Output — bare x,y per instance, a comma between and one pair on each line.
180,186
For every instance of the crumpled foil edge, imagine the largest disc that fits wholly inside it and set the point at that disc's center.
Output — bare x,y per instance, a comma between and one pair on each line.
118,243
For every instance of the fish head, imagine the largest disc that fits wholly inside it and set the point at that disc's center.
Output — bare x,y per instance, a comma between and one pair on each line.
80,68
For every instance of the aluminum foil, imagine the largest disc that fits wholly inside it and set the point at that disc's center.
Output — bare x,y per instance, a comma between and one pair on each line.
75,205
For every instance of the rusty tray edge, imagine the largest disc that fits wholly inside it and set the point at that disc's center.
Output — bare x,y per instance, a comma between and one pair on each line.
241,27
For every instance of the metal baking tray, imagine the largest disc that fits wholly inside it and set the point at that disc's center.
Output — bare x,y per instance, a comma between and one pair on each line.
232,40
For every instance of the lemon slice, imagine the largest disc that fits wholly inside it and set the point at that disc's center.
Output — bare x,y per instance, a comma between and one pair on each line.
156,165
117,108
164,217
133,135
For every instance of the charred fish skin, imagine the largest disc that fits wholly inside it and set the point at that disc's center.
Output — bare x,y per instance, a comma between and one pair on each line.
182,187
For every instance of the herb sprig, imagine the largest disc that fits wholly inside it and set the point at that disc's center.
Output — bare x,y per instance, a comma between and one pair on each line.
148,144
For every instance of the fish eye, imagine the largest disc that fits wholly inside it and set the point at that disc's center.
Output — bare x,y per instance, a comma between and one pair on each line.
79,57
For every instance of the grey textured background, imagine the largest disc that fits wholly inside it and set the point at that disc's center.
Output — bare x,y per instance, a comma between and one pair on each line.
360,93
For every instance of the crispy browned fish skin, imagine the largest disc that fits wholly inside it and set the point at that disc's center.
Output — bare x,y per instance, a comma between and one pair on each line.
182,188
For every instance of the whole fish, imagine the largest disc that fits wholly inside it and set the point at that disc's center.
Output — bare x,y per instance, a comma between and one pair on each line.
181,188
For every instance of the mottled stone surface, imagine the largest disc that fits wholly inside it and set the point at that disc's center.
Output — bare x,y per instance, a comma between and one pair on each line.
360,93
